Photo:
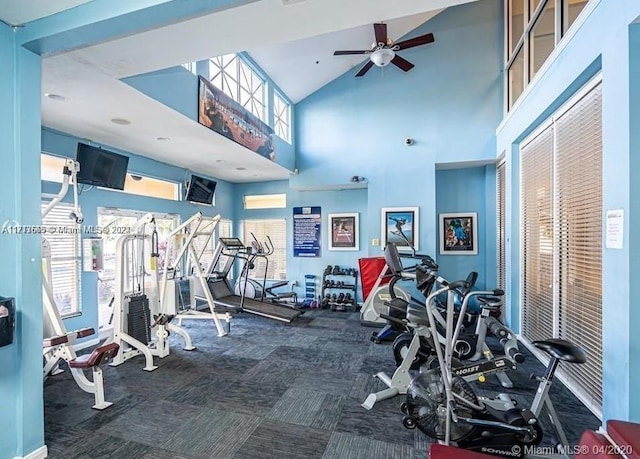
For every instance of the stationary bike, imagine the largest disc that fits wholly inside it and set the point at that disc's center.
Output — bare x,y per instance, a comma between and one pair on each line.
446,408
424,341
469,345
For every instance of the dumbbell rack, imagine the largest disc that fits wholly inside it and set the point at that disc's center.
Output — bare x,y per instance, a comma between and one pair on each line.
336,281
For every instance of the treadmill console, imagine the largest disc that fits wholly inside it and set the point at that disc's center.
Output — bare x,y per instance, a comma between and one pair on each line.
231,243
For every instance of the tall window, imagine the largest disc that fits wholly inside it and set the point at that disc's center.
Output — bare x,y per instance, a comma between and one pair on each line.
282,117
275,266
534,29
235,78
561,203
64,243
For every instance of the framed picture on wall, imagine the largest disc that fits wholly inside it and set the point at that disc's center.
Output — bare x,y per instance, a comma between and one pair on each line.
400,226
459,233
344,231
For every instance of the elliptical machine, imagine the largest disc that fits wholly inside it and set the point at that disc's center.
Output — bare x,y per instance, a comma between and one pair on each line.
446,408
424,273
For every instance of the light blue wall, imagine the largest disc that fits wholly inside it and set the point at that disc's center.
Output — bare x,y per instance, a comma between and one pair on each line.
65,145
634,215
453,195
450,103
601,44
330,202
183,96
21,403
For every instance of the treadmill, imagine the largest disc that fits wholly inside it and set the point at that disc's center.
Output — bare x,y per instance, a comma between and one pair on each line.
223,294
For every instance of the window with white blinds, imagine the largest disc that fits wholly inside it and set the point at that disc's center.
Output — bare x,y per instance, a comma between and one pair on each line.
537,236
562,237
275,265
65,258
500,225
579,230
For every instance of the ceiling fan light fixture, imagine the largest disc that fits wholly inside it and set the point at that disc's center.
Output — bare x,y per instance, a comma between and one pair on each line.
382,57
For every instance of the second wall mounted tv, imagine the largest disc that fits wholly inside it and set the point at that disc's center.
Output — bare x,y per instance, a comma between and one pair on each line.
201,190
101,167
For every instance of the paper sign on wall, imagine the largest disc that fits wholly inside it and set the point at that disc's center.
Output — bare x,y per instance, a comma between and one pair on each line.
615,229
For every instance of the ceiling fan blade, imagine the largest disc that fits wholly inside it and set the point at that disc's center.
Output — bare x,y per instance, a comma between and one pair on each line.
364,69
381,33
402,63
410,43
345,53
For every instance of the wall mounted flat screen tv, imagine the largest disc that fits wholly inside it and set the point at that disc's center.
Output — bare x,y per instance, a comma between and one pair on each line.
101,167
201,190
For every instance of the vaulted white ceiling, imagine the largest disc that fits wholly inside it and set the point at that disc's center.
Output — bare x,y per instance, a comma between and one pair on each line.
286,40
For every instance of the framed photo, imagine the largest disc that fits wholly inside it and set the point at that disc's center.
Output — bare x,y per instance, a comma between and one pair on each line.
459,234
344,231
400,225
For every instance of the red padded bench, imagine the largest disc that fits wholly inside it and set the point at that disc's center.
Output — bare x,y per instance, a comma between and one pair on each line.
96,358
626,436
593,445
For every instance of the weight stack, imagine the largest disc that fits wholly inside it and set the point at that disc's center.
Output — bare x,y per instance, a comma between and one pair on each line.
139,318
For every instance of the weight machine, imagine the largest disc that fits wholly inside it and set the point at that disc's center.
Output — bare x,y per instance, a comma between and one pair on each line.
136,260
58,342
184,257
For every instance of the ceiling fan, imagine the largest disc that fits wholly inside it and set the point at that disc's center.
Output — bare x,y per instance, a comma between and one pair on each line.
383,51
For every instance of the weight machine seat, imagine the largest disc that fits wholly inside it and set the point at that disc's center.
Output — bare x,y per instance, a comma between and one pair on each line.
96,358
562,349
492,303
438,451
627,436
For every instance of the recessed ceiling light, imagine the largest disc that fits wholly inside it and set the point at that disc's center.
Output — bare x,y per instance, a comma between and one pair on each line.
163,139
120,121
220,160
57,97
241,168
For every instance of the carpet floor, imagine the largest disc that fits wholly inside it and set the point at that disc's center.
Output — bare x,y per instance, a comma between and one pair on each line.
266,390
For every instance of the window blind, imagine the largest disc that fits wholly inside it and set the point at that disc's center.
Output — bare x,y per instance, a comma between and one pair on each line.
537,236
65,258
579,229
500,225
276,264
561,198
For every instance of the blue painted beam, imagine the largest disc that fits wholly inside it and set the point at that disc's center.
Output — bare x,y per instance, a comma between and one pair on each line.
103,20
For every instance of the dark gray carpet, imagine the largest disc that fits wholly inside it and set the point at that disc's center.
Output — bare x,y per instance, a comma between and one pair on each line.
267,390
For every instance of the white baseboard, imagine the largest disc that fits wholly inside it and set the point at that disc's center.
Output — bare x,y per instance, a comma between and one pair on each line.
40,453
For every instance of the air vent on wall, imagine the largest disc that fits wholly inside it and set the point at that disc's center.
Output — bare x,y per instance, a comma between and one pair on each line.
289,2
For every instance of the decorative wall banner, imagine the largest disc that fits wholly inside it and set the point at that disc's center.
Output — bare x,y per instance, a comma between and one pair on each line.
222,114
306,231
